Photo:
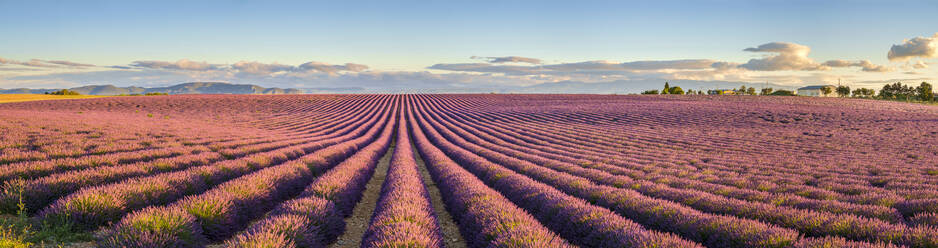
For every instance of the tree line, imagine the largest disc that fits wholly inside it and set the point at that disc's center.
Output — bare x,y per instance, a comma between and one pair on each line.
897,91
66,92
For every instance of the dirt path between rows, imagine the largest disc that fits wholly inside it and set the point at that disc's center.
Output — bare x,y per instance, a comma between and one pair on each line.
357,223
451,236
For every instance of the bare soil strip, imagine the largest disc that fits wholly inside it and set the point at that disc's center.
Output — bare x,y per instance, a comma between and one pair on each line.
451,236
357,223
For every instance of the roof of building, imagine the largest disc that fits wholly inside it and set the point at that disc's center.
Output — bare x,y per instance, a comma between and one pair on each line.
814,87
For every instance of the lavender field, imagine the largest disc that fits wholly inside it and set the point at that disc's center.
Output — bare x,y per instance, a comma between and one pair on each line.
484,170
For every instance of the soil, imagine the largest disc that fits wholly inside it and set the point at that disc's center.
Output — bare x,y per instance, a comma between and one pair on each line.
451,236
357,223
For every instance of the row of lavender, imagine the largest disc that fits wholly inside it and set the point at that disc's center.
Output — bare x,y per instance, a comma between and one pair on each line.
914,236
68,179
404,215
850,193
96,206
792,195
306,221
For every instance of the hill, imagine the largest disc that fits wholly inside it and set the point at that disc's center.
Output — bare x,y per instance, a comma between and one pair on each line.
185,88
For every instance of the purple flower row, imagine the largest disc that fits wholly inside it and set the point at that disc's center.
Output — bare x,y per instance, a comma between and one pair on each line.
93,207
404,215
485,217
810,222
499,136
315,217
570,216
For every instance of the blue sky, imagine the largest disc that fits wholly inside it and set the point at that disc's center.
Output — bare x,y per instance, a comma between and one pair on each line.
413,36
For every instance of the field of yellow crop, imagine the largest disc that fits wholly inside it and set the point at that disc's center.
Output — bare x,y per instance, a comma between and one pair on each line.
5,98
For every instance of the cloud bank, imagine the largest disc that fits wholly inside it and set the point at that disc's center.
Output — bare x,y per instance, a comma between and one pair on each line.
866,65
777,62
784,56
509,59
43,63
921,47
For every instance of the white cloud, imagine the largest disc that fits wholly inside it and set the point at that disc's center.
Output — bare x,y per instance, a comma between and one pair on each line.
183,64
509,59
68,63
786,57
598,67
327,68
920,65
43,63
258,68
489,68
865,64
923,47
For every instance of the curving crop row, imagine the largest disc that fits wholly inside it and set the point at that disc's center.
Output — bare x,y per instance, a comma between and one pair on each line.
404,215
546,154
810,222
708,229
485,217
314,218
92,207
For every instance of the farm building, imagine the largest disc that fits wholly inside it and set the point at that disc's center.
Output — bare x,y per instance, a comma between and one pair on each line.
817,90
721,92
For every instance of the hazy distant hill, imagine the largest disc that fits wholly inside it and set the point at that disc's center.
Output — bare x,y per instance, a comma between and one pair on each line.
635,86
569,87
186,88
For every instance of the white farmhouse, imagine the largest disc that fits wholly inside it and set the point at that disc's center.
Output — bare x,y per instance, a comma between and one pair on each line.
817,90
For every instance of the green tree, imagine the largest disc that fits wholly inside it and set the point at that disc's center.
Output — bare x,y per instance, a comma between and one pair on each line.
843,91
898,91
860,92
676,90
868,93
751,91
650,92
925,92
667,89
826,90
766,91
65,92
783,93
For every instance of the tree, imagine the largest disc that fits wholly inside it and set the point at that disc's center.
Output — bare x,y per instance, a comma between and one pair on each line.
843,91
650,92
783,93
741,90
898,91
676,90
666,90
691,92
864,92
924,92
65,92
826,90
766,91
751,91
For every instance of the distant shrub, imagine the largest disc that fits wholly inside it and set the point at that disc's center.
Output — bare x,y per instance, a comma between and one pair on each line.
63,92
782,93
650,92
676,90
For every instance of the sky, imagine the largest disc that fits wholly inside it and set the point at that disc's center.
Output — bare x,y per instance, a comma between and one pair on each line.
374,44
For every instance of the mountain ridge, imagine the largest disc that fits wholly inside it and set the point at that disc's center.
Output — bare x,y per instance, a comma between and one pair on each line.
179,89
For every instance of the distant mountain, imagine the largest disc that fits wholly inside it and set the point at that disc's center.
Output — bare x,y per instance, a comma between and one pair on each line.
568,87
186,88
637,85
